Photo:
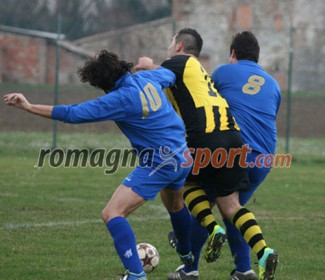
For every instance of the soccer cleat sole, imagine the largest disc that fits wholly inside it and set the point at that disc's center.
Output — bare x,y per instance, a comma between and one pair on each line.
215,248
271,264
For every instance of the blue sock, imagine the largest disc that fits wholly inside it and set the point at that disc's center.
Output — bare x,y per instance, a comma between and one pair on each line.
199,234
181,225
125,244
239,248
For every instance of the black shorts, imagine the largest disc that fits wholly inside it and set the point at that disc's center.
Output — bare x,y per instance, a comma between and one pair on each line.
223,179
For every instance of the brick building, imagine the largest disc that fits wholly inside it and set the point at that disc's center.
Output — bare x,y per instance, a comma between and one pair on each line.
218,20
28,56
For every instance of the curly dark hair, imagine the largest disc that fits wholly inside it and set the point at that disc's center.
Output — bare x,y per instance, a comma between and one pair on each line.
104,70
245,46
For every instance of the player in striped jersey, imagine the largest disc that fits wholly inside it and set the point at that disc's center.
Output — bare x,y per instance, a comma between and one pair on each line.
209,124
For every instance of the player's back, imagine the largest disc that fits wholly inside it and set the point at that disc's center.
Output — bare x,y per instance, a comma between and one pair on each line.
150,121
254,99
196,100
140,108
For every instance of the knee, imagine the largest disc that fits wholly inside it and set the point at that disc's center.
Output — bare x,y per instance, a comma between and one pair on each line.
173,200
175,206
107,215
228,212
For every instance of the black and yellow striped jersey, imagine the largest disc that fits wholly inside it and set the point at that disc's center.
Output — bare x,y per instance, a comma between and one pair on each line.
195,98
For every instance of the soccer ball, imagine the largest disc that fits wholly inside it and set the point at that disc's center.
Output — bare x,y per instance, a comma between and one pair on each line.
148,255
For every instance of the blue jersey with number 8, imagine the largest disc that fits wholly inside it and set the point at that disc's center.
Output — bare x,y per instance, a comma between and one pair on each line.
254,99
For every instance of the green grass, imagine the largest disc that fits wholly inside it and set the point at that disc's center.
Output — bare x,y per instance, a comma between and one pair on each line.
50,226
303,94
304,149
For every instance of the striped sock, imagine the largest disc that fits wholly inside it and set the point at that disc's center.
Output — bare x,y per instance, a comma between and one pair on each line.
197,202
246,223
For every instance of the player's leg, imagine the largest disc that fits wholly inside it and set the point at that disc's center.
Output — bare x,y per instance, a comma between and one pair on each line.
199,235
245,222
240,251
198,203
141,185
123,202
180,220
239,248
217,181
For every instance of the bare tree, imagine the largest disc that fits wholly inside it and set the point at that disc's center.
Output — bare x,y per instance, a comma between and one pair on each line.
79,17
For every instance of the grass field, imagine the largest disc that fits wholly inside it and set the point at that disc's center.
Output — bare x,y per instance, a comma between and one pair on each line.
50,226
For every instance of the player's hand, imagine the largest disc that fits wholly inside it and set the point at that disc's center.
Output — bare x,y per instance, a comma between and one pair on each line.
17,100
144,63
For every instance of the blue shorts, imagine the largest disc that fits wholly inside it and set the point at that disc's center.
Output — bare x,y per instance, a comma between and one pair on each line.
148,182
256,176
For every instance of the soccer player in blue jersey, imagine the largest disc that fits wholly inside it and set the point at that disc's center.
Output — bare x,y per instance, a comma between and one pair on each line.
254,99
139,107
209,125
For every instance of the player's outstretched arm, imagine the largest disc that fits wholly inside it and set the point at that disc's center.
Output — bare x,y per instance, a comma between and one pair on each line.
19,101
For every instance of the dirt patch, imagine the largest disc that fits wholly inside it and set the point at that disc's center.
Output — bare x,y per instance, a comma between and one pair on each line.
307,117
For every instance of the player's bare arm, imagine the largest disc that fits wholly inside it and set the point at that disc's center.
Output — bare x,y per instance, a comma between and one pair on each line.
19,101
145,63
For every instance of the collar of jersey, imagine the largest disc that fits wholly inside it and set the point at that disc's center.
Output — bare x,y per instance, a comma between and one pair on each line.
249,62
121,80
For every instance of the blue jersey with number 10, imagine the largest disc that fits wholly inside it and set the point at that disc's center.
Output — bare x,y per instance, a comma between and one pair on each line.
140,108
254,99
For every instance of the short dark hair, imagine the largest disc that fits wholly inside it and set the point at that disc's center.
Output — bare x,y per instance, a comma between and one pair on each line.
103,70
191,39
245,46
